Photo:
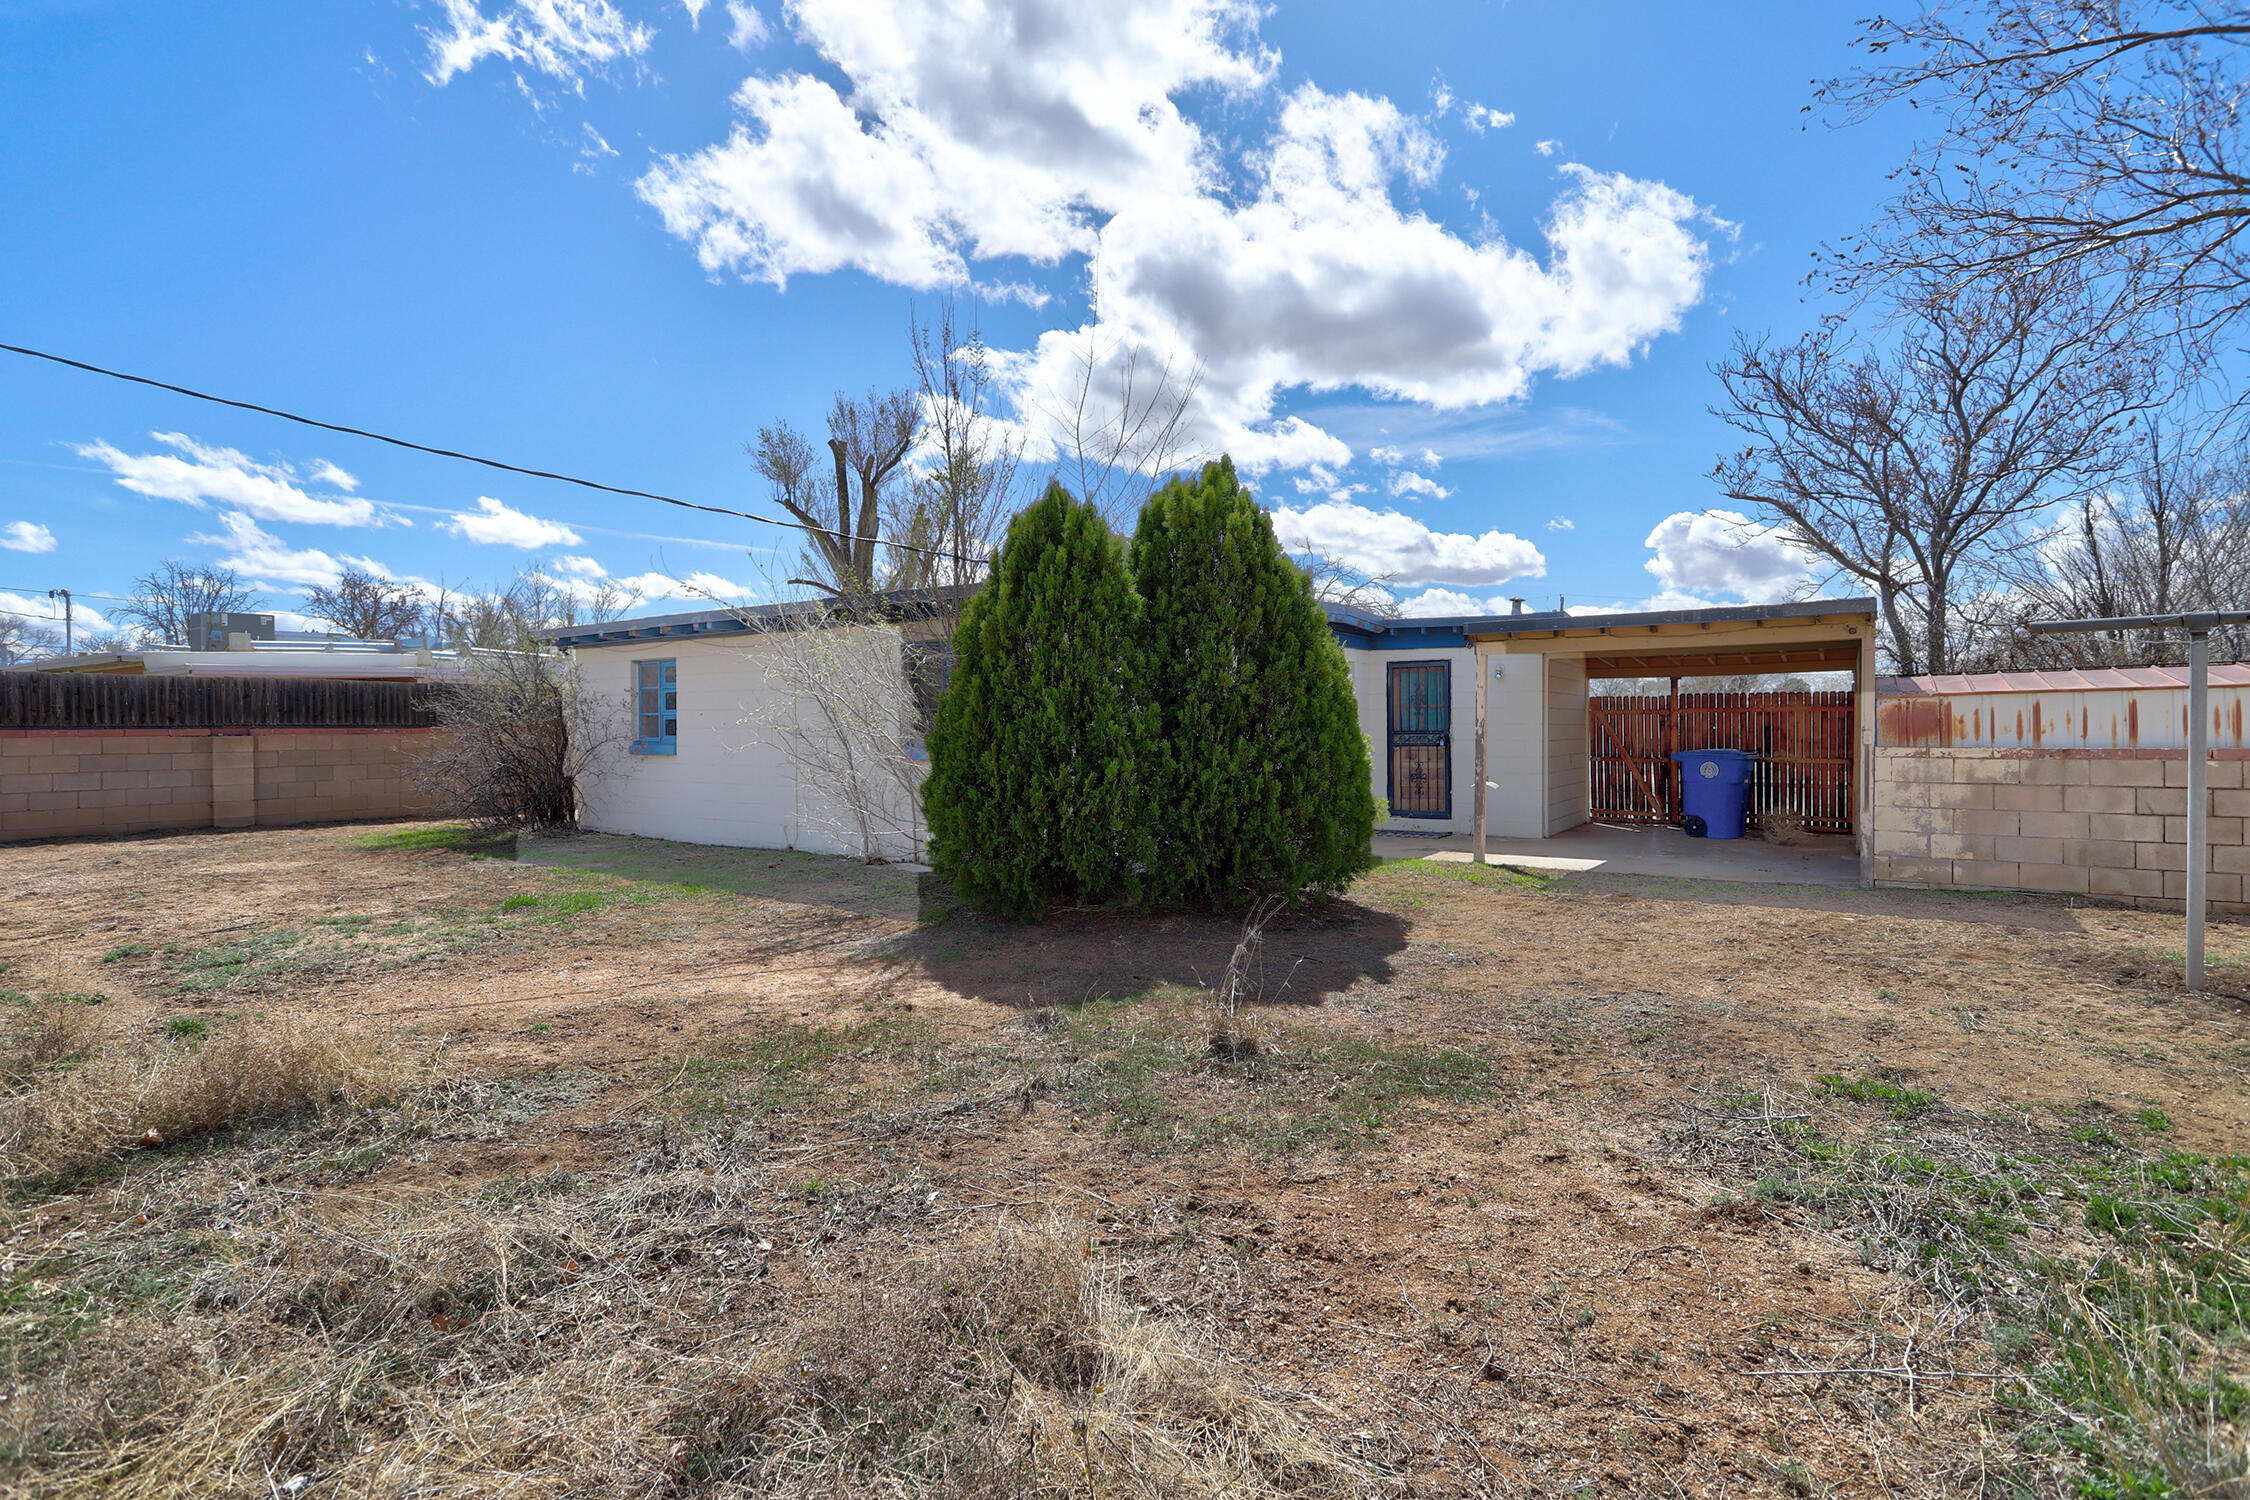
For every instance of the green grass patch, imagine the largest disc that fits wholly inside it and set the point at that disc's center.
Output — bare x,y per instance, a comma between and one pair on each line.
1146,1071
784,875
187,1028
560,906
460,838
1416,883
1904,1103
2138,1354
123,951
789,1070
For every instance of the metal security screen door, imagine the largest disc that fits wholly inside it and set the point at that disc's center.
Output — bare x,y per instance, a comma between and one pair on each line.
1421,739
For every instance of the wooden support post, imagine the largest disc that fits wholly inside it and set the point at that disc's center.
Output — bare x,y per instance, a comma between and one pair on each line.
1483,665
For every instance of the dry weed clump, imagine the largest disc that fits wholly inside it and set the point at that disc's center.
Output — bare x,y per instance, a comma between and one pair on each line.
622,1339
104,1092
1782,825
1237,1036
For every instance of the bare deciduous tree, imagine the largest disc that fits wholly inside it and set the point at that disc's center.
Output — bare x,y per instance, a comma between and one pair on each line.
1914,469
521,738
2174,535
867,441
941,532
511,619
365,607
164,598
1341,584
2102,135
23,639
1124,421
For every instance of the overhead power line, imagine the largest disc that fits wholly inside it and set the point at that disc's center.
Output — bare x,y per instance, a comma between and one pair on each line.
468,458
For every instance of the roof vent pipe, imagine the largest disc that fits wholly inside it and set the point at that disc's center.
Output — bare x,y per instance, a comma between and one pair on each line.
1516,605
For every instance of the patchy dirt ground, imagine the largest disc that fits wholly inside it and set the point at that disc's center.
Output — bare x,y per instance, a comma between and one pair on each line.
1532,1187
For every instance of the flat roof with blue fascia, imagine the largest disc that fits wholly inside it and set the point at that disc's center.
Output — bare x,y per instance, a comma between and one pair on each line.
1359,631
899,602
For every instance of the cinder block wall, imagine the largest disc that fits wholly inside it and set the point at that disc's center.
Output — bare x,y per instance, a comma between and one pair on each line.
61,783
2110,823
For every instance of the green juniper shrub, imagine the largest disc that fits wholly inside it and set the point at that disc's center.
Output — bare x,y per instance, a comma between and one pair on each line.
1039,787
1263,779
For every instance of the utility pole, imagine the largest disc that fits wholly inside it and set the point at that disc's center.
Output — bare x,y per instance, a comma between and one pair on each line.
2198,626
64,595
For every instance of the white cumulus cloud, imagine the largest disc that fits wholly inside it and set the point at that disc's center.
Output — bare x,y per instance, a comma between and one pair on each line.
1725,552
745,27
948,135
196,474
1385,544
42,613
252,550
26,536
563,39
583,578
1482,118
503,525
1562,523
1432,603
1407,482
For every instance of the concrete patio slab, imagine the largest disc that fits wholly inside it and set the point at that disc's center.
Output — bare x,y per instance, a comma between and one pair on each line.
1622,850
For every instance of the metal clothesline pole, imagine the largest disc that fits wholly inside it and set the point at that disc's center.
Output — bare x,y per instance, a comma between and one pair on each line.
2198,625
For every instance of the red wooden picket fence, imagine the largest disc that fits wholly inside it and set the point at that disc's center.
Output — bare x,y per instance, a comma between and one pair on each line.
1803,741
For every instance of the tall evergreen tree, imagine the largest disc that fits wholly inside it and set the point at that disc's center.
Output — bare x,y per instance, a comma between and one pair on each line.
1038,791
1265,784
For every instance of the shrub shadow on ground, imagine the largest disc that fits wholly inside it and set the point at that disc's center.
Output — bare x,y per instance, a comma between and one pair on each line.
1073,957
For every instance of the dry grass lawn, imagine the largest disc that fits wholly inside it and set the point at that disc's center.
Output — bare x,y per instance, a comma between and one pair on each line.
375,1162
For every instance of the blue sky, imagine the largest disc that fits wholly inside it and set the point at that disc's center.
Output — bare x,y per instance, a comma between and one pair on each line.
1455,274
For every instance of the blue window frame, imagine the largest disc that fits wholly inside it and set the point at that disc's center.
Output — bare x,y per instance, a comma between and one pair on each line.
656,708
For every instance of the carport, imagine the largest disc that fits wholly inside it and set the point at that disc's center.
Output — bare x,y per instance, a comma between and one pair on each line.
1538,742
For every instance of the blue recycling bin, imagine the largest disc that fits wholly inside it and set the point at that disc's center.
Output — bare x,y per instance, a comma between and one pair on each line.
1714,791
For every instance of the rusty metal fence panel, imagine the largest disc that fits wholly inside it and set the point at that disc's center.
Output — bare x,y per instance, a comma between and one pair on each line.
1803,741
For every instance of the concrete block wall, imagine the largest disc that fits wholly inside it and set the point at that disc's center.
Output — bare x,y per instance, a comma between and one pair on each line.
2108,823
64,783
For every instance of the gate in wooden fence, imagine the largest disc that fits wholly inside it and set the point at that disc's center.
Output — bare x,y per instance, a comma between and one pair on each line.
1803,741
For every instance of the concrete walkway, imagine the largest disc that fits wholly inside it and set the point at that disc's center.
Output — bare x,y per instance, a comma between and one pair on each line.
1617,849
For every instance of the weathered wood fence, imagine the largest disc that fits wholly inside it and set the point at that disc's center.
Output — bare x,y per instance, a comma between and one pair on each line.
1803,741
96,700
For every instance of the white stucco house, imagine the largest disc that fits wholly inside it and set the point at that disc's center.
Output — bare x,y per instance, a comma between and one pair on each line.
700,714
703,765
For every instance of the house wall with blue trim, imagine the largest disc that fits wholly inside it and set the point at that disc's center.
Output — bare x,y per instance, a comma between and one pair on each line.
1518,803
723,779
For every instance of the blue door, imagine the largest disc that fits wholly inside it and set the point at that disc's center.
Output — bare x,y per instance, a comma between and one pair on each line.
1421,739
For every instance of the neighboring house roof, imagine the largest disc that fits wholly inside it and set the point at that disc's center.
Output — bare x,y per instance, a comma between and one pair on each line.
269,659
903,603
2085,680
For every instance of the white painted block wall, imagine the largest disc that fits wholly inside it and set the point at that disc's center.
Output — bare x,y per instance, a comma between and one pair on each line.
1516,804
724,786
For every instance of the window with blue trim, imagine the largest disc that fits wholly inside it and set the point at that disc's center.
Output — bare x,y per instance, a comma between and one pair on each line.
656,708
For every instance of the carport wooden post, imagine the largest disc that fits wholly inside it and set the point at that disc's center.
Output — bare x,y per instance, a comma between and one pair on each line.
1482,662
2198,626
